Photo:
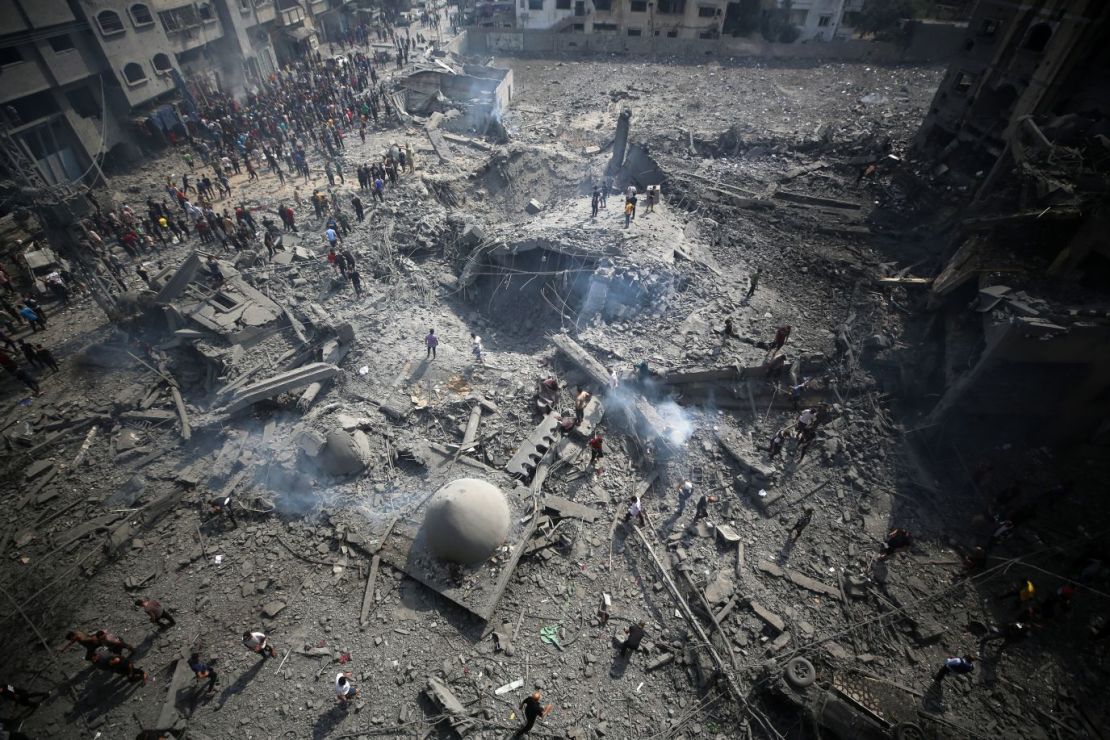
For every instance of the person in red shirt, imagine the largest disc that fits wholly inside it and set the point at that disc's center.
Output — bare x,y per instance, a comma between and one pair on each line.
596,444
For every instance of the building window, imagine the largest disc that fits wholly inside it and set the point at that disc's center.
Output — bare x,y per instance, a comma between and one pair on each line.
245,6
140,15
179,19
707,11
672,7
1038,37
635,32
605,27
162,64
963,82
204,10
61,43
579,27
133,73
535,4
603,6
83,102
10,55
672,34
989,27
824,21
638,6
109,22
562,4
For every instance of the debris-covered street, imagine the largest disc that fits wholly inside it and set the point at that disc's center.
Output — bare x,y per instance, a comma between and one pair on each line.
698,403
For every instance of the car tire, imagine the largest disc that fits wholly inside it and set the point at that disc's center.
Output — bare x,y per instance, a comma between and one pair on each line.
800,673
908,731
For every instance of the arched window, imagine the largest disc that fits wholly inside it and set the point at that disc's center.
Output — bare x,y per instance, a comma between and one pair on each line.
162,63
1038,37
133,73
140,15
109,22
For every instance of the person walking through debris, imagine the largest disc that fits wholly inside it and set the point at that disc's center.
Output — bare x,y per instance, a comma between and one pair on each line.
202,671
781,335
345,690
596,444
356,203
897,539
223,505
776,443
801,524
23,697
379,189
729,332
29,353
89,642
628,211
476,347
356,281
805,439
581,399
257,642
595,202
806,420
533,710
113,644
635,634
22,375
959,666
158,614
430,343
635,509
796,393
37,320
701,510
753,282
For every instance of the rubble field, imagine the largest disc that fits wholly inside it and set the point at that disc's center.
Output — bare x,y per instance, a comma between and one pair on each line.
320,414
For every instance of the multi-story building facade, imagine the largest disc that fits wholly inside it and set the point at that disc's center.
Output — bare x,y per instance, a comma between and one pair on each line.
81,77
822,20
669,18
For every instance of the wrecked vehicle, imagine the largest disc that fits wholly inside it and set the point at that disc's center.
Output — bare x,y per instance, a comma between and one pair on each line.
846,704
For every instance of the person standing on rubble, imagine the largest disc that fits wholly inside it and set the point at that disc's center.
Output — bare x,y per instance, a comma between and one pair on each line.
158,614
581,399
777,441
596,444
629,210
356,202
635,634
431,341
781,335
800,525
753,282
379,189
356,281
959,666
701,511
476,347
257,642
345,690
533,710
635,509
202,671
595,201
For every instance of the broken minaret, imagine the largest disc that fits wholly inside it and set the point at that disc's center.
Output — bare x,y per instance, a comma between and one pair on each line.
620,142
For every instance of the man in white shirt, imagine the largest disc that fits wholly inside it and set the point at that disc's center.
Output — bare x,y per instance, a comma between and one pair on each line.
345,690
257,642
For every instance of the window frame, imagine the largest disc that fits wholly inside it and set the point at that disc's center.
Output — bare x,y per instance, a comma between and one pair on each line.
535,5
703,14
154,64
15,49
135,21
128,80
100,23
72,44
824,21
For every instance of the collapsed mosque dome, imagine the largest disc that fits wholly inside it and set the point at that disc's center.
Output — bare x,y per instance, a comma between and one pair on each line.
466,521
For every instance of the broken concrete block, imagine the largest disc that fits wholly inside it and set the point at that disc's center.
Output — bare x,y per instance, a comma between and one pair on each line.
768,616
662,660
311,442
280,383
37,468
534,206
472,235
272,609
345,332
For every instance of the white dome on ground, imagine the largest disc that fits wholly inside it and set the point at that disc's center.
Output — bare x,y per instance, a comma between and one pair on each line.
467,520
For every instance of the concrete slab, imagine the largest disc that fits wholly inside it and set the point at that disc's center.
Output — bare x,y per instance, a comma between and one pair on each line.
523,463
280,383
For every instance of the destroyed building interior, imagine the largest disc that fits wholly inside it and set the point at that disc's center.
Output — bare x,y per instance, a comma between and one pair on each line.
822,408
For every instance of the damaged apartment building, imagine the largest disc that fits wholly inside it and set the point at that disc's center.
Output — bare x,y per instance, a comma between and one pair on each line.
81,79
1018,128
